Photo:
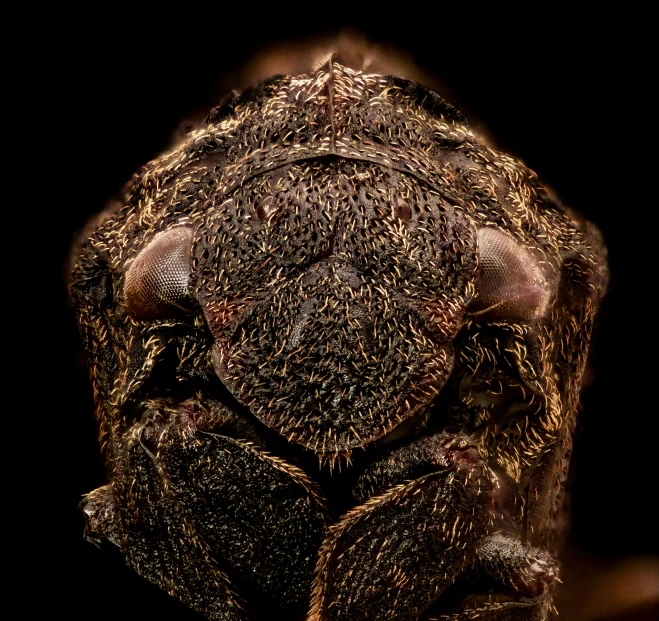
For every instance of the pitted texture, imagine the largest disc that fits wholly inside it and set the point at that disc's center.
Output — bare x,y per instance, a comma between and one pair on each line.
347,309
381,119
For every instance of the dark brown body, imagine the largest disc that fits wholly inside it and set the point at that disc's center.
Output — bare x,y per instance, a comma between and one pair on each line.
336,270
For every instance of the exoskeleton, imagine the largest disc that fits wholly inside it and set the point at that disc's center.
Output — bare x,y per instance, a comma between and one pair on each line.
337,344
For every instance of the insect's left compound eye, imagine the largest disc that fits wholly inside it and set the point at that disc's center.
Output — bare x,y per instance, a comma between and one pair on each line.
156,285
510,283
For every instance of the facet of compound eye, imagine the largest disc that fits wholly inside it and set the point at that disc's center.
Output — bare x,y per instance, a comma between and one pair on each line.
156,285
509,283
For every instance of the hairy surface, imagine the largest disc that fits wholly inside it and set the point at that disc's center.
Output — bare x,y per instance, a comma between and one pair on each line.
337,344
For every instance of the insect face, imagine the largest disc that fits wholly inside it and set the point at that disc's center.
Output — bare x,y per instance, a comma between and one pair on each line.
336,270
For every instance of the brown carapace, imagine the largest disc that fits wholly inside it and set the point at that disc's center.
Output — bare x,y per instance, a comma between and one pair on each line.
337,344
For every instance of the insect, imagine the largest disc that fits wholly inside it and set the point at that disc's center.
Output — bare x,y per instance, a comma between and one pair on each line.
337,344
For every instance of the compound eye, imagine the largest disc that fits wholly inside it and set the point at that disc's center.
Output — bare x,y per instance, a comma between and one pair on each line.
156,285
510,284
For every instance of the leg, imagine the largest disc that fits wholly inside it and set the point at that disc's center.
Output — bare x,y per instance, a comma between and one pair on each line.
392,556
213,520
508,581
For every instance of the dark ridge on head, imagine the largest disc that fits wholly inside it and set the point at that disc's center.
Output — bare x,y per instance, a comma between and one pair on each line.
427,99
228,103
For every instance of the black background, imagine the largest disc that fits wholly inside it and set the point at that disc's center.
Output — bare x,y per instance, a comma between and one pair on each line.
565,95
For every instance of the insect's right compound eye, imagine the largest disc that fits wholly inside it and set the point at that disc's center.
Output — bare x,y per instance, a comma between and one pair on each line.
156,285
